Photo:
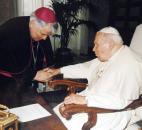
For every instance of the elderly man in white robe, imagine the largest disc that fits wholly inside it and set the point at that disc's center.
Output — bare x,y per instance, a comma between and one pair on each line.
115,80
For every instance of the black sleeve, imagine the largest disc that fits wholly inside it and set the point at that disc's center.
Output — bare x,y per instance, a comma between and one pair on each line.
45,54
8,31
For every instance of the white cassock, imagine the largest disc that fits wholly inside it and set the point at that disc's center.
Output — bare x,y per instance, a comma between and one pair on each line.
113,84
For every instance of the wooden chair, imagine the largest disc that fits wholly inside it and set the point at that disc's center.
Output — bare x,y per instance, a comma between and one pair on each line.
68,110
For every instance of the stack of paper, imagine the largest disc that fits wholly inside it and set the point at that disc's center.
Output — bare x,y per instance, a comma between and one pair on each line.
30,112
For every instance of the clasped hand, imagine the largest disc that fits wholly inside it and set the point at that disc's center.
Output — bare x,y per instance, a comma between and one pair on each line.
74,99
42,76
46,74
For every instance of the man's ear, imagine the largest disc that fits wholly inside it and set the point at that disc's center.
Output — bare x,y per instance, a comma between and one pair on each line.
109,45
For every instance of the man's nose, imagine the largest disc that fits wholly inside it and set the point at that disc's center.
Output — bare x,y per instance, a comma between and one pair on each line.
44,37
93,48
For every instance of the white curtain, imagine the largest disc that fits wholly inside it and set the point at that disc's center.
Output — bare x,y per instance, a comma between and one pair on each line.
26,7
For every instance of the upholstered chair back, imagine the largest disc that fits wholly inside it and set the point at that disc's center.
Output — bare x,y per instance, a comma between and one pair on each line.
136,42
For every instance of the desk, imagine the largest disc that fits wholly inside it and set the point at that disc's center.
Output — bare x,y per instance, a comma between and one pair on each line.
47,123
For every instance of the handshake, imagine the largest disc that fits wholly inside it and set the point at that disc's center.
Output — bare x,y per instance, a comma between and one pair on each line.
46,74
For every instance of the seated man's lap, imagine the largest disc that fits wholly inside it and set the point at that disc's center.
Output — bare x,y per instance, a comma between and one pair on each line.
112,121
133,127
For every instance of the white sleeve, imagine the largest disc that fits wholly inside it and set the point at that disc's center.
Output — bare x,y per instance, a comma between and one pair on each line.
105,100
77,71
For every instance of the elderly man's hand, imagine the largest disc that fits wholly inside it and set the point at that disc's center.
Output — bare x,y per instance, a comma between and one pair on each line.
75,99
42,76
52,71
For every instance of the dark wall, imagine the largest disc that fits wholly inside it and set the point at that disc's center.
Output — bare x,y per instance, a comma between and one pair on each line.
100,16
125,15
8,9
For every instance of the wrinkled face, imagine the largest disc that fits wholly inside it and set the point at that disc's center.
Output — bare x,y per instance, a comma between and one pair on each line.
40,32
102,46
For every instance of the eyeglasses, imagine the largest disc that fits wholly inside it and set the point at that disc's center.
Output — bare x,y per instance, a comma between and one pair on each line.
54,26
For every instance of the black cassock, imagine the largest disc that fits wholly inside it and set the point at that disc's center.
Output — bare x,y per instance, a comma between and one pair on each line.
20,58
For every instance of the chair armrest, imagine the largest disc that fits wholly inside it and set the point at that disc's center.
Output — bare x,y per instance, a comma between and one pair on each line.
68,110
71,84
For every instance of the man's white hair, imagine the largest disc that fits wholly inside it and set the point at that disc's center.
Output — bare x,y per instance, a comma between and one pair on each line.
114,34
